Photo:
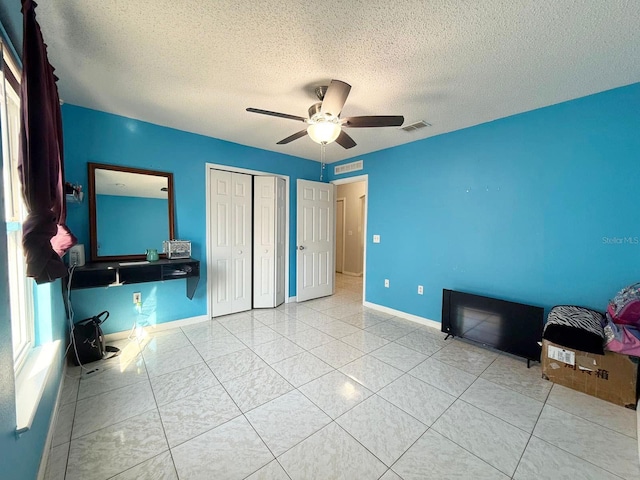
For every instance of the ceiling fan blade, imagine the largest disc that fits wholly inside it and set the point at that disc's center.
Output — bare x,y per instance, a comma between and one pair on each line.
345,140
334,97
373,121
276,114
293,137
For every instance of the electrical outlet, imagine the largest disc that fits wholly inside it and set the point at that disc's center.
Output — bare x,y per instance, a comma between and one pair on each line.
137,298
420,289
376,239
386,283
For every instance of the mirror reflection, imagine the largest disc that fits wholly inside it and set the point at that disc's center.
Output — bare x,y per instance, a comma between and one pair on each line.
131,211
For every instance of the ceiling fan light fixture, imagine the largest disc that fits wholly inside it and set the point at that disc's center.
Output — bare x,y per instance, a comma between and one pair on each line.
324,132
324,121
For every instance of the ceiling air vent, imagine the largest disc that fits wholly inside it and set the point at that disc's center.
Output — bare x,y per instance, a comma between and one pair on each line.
415,126
348,167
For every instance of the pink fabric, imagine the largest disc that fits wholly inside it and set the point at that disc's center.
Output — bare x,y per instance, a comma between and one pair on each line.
622,338
629,315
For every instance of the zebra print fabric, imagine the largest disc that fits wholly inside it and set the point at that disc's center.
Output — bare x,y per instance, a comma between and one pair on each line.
575,327
576,317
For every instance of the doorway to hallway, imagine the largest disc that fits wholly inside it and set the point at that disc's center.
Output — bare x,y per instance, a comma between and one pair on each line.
351,221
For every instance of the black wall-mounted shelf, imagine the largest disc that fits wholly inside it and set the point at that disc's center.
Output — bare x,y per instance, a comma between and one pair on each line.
107,274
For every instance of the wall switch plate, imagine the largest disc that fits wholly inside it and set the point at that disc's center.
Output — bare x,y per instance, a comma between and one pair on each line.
420,289
386,283
376,239
137,298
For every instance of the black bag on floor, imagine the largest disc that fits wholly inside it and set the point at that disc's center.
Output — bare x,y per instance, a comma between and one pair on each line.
88,341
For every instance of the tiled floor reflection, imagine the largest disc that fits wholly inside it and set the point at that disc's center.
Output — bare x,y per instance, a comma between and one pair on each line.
329,389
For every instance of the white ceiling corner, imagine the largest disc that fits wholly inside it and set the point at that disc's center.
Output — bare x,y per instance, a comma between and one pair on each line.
197,66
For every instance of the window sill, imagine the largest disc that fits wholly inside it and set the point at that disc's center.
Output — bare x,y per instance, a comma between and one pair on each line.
31,382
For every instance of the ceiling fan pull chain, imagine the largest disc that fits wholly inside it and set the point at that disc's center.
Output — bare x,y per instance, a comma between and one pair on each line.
322,158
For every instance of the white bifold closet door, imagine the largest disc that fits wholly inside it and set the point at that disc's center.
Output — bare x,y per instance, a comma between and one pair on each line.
231,242
268,241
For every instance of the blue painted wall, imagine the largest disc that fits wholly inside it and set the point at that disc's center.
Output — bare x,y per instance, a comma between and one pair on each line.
20,457
140,229
93,136
526,208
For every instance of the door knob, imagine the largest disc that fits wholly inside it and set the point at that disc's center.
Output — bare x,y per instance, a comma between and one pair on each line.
301,247
239,252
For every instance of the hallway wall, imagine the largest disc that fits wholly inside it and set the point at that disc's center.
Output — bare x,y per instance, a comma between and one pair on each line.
353,239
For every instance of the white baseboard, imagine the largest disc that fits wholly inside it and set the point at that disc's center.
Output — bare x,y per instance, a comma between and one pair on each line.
351,274
292,300
44,459
407,316
111,337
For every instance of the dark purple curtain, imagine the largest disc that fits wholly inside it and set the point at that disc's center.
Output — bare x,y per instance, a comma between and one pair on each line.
45,236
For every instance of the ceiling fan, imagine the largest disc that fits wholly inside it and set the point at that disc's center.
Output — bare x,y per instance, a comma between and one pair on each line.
325,124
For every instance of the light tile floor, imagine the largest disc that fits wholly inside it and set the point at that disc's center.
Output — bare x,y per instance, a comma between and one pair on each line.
325,390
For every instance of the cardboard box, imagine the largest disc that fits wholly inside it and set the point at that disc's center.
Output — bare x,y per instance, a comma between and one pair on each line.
612,376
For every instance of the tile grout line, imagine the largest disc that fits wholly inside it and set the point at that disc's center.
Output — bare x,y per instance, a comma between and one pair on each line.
374,393
243,414
213,428
356,440
206,365
467,450
339,426
159,417
576,456
508,387
107,426
597,425
451,440
588,420
348,410
75,405
155,399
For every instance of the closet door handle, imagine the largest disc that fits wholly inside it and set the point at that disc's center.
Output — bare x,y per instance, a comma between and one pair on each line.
301,247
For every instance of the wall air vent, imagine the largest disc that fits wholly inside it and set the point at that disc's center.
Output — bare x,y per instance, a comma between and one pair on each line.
415,126
348,167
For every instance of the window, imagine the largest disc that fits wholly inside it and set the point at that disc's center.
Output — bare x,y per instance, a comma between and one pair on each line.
20,287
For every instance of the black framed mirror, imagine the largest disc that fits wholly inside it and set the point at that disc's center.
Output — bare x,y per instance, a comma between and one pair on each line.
130,211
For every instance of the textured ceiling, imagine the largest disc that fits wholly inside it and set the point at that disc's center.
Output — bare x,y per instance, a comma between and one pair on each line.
128,184
197,65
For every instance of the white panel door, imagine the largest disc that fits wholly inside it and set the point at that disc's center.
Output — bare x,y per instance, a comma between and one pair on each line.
230,242
242,241
220,222
315,240
281,231
268,242
264,242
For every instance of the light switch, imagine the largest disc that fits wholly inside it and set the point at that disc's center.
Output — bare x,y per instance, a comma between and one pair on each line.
376,239
350,232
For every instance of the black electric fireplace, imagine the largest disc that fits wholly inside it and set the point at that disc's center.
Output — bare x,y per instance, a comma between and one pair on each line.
515,328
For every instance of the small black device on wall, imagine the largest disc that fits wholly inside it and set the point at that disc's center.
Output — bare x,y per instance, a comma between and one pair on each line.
512,327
